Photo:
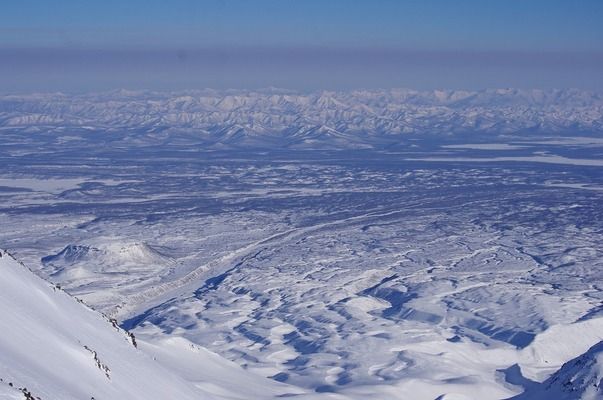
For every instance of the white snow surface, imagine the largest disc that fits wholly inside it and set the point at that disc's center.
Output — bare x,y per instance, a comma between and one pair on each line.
55,347
578,379
407,297
450,251
49,343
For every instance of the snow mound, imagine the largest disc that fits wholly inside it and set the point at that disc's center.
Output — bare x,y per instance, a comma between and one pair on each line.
137,252
85,264
111,254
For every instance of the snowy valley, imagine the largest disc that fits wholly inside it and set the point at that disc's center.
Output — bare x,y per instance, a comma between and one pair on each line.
336,245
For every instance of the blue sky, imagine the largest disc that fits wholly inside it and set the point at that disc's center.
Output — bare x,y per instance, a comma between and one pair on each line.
302,44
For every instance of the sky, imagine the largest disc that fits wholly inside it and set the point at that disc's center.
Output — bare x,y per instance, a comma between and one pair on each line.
87,45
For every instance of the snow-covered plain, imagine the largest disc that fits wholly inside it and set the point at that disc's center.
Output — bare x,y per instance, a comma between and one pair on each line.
403,253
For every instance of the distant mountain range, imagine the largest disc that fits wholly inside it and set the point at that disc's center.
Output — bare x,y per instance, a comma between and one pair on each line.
279,118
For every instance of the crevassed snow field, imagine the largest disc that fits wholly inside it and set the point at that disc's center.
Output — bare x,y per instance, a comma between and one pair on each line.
251,262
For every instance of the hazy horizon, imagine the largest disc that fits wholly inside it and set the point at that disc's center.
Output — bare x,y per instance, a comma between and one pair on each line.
73,47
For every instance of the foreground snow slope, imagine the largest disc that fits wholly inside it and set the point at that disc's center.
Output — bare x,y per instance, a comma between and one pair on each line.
57,348
54,347
580,378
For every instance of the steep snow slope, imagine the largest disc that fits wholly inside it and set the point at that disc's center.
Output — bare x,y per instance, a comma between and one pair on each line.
10,392
58,348
54,347
580,378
